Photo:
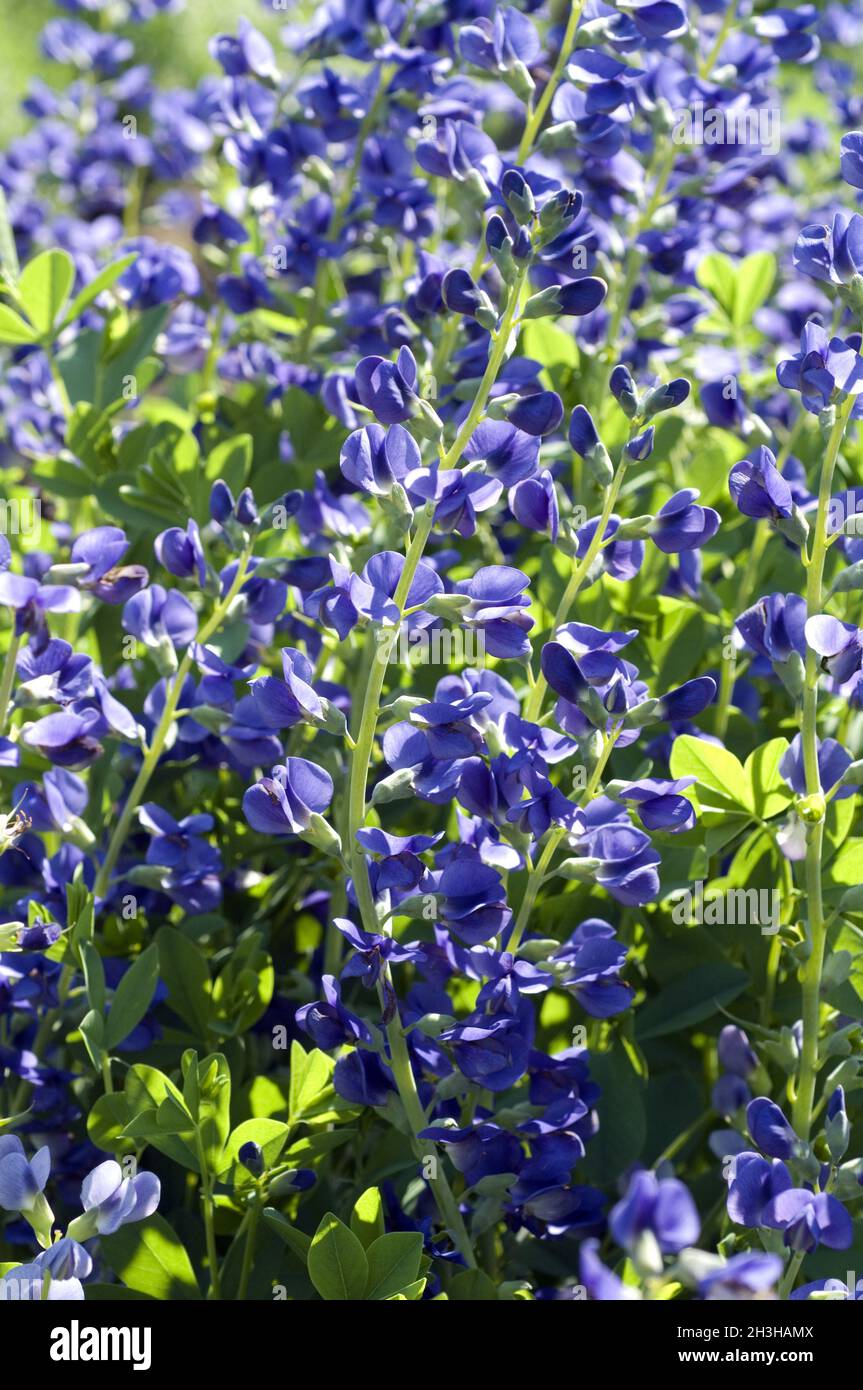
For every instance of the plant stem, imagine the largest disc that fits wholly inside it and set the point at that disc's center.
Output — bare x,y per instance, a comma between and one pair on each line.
163,728
214,1291
728,670
790,1274
817,933
533,708
536,118
7,678
361,757
249,1248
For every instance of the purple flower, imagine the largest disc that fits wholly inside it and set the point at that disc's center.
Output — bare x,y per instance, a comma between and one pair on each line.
538,414
681,524
372,950
388,389
833,762
497,609
824,370
181,552
533,503
506,453
770,1130
809,1219
851,158
32,600
102,549
594,959
735,1052
491,1052
375,459
500,43
67,739
839,645
291,700
111,1200
328,1023
459,496
159,273
659,803
22,1180
284,802
774,626
156,615
751,1274
662,1208
758,488
249,52
833,254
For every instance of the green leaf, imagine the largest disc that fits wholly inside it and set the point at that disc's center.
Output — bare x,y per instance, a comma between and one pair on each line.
92,1031
94,976
101,282
145,1090
337,1262
44,288
183,968
721,781
367,1217
755,276
214,1107
622,1120
13,329
394,1263
473,1285
295,1240
132,997
106,1122
150,1258
311,1082
768,792
8,252
716,274
271,1135
690,999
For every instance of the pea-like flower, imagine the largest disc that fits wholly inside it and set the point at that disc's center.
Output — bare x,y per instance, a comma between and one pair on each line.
284,802
680,524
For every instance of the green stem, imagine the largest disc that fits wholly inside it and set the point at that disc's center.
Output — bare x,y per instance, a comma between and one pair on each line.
361,757
537,116
533,707
790,1274
7,678
707,64
817,933
728,669
154,753
249,1249
214,1291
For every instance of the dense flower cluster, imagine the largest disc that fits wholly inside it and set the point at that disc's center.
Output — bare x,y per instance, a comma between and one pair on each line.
430,554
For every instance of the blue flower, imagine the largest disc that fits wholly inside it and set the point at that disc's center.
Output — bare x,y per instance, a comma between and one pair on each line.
111,1200
659,1207
284,802
328,1023
680,524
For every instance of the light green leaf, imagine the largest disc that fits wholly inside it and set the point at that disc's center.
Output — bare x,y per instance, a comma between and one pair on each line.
716,274
44,288
367,1217
755,276
13,329
270,1135
337,1262
721,781
769,794
150,1257
394,1262
183,968
101,282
